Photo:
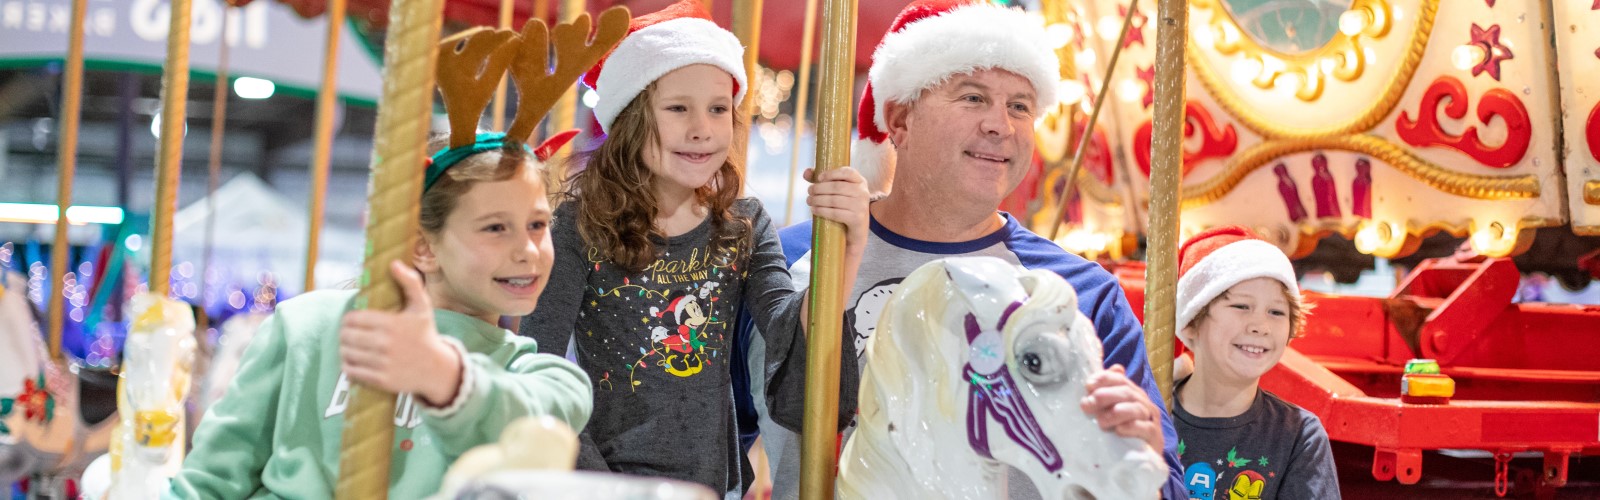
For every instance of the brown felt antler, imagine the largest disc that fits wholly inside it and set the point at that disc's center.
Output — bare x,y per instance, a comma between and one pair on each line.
538,85
471,64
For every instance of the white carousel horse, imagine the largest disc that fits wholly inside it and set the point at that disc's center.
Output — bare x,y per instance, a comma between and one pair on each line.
42,430
148,444
976,365
534,459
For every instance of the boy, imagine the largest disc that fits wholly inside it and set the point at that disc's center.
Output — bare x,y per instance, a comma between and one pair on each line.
1239,305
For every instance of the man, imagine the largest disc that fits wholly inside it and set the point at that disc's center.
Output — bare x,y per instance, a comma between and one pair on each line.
947,123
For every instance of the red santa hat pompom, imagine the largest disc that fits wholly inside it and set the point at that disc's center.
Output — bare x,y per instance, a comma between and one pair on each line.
679,35
1218,258
930,41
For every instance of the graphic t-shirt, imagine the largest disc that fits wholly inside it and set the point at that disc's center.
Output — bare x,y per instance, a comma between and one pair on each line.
1273,450
657,344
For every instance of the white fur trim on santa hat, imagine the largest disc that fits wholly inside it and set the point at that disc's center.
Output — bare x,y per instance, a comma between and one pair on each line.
653,51
875,162
966,39
1224,267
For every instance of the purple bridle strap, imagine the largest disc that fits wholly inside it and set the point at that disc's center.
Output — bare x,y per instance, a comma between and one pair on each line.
995,394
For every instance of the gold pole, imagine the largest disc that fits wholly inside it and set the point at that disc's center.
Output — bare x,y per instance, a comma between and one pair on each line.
1166,163
219,120
800,105
399,147
565,115
174,96
1094,114
499,113
819,449
322,154
747,26
66,164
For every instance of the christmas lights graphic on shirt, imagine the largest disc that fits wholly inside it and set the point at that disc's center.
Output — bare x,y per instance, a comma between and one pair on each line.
681,332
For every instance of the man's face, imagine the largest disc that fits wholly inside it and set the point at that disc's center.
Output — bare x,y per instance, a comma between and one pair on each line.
969,139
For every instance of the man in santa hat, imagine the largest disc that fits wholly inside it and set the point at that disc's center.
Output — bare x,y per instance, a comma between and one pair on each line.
945,133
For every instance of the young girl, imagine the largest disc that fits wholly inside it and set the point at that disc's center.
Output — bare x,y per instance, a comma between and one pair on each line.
1239,306
484,252
657,255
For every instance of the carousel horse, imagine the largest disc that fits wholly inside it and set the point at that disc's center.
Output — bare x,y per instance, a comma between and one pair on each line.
43,427
148,445
534,459
977,365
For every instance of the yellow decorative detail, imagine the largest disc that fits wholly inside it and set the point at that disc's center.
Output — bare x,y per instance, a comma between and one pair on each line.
1344,55
1466,185
154,428
1428,386
1591,192
149,319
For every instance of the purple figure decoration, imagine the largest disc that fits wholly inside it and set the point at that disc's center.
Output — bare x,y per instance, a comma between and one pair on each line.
1290,193
1322,188
1361,190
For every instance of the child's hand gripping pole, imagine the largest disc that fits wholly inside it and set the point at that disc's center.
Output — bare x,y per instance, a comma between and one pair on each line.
401,351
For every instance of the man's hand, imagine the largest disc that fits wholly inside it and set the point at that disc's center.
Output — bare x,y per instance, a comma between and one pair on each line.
401,351
1121,406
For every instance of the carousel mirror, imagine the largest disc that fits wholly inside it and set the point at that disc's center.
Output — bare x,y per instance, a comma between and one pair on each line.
1289,26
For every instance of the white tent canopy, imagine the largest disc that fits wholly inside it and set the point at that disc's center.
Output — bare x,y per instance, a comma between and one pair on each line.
260,230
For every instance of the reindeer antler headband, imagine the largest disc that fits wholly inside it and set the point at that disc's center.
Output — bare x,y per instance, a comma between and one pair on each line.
471,64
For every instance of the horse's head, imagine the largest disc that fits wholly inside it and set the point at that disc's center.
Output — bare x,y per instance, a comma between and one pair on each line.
999,371
157,358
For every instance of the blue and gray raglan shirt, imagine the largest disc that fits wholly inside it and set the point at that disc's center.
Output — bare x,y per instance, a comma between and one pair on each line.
890,257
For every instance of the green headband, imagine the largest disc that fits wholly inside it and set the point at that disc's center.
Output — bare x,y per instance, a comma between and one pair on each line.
448,157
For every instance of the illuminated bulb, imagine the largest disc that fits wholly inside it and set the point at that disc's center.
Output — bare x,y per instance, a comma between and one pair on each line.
1086,58
1245,70
1466,56
1071,91
1130,90
1059,35
1352,22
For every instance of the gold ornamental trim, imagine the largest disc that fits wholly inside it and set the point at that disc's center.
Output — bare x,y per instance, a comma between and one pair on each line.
1591,192
1483,187
1343,56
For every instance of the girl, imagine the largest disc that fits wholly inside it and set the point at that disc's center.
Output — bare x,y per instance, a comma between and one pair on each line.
657,255
484,252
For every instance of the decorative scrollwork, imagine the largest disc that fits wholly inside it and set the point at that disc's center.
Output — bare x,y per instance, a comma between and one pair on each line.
1215,142
1342,57
1363,120
1425,131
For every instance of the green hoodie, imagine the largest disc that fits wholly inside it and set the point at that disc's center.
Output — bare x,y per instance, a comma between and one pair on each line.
276,432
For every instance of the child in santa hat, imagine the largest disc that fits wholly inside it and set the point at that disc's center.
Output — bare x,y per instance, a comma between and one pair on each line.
655,213
1239,306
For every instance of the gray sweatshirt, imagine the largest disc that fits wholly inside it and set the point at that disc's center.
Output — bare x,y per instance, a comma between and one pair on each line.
657,344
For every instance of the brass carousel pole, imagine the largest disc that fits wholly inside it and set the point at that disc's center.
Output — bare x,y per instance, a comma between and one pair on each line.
1094,114
66,163
219,120
321,157
1166,163
565,115
499,113
747,26
803,87
174,97
399,148
819,450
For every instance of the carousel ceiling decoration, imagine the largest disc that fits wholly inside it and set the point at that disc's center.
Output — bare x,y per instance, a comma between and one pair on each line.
1381,120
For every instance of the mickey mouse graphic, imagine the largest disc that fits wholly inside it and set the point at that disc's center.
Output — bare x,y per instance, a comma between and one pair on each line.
683,345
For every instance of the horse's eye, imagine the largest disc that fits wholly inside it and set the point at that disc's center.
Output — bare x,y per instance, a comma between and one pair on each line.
1041,358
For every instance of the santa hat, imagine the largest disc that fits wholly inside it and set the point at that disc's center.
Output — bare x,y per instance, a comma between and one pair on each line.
930,41
1216,259
680,35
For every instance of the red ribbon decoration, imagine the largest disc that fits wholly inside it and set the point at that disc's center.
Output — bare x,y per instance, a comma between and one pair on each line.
1215,142
1425,131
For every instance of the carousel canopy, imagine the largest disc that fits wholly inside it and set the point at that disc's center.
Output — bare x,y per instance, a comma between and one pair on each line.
781,24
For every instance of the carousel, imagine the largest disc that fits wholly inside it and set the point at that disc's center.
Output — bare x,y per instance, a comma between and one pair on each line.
1456,144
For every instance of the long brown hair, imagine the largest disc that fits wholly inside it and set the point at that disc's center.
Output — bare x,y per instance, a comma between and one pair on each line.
617,203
